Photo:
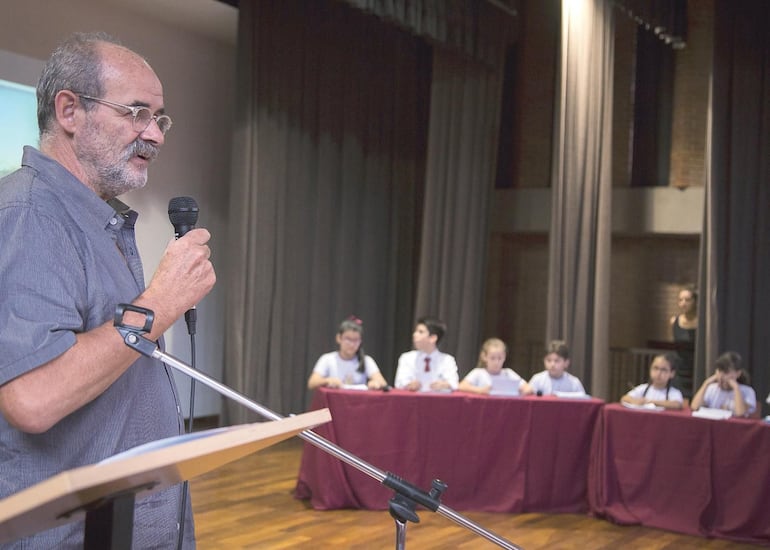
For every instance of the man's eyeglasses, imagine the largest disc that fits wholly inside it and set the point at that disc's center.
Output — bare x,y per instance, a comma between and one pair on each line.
142,115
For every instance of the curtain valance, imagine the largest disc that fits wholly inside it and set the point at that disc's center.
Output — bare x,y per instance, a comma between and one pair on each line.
666,18
479,29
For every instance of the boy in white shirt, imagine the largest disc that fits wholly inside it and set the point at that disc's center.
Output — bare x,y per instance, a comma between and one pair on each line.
727,388
555,376
425,368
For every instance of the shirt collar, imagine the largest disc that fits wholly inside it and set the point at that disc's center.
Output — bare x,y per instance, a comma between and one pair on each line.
76,197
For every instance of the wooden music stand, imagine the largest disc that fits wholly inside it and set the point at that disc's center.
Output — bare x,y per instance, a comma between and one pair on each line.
105,492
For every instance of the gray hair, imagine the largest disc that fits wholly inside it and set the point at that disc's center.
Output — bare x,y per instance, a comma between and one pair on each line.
74,65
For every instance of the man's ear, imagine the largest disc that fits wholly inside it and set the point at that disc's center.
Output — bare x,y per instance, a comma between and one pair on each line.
433,338
66,104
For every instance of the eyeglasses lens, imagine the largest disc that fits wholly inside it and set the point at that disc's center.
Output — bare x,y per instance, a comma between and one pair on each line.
143,118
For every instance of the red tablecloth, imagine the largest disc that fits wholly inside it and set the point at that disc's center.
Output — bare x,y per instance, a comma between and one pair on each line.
690,475
496,454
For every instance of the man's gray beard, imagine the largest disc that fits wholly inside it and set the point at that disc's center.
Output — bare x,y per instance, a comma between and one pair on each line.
113,183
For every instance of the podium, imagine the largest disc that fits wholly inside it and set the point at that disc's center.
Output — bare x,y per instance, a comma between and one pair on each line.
104,492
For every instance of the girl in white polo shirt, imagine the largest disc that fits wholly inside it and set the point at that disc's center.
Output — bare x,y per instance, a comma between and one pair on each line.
349,365
489,376
658,391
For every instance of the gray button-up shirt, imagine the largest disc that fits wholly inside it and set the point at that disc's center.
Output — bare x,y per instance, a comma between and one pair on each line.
67,258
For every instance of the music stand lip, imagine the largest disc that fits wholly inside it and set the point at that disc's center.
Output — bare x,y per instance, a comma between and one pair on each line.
88,506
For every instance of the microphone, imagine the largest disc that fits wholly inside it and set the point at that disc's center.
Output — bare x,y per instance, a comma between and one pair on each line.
183,214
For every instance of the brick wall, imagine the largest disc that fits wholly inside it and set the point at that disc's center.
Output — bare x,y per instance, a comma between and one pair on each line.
532,90
691,89
533,84
646,275
517,292
646,270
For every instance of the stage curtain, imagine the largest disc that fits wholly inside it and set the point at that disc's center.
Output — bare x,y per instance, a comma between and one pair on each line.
471,28
579,245
735,267
667,19
461,168
326,193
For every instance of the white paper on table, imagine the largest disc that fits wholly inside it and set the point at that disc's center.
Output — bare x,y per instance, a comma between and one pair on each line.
645,407
713,414
505,386
428,389
504,393
355,387
572,394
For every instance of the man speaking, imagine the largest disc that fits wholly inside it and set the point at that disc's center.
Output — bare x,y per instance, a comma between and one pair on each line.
71,392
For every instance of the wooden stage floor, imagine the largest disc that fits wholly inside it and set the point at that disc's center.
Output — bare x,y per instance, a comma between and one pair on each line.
249,504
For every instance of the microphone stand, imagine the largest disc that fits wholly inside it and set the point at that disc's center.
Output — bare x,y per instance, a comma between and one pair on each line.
403,504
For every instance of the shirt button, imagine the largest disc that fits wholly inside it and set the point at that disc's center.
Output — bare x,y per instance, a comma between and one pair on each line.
113,221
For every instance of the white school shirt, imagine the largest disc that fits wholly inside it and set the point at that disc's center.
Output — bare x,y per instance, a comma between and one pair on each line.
481,377
332,365
717,398
543,383
411,366
655,394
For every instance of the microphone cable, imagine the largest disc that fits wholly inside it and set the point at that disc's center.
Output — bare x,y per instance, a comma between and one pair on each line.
186,484
183,214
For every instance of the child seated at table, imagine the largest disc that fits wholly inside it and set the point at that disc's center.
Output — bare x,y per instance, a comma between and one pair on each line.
727,388
349,365
489,376
555,378
658,391
425,368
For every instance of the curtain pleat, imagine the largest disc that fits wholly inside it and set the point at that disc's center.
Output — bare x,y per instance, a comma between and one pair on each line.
738,237
470,28
328,169
579,246
461,166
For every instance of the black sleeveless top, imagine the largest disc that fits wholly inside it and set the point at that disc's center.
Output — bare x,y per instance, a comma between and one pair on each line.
682,334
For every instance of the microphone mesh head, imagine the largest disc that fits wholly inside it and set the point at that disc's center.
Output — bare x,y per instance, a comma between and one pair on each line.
183,211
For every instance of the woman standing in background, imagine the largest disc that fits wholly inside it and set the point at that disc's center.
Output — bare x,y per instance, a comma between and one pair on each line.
683,328
685,323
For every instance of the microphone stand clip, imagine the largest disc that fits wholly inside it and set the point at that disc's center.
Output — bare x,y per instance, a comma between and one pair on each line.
133,335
